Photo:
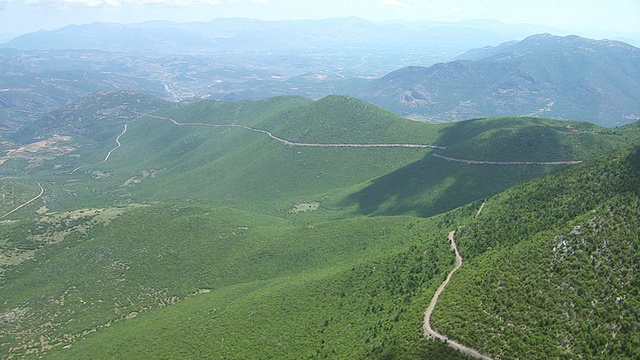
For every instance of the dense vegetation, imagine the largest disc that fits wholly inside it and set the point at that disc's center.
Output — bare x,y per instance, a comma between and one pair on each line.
193,241
352,289
551,270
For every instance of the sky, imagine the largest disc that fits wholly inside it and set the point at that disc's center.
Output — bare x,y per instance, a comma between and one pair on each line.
594,18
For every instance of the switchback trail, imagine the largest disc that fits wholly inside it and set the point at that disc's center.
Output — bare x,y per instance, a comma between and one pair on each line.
570,162
428,331
26,203
294,143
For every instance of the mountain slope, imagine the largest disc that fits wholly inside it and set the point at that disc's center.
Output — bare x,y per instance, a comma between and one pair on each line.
239,221
93,115
550,267
153,274
543,75
211,151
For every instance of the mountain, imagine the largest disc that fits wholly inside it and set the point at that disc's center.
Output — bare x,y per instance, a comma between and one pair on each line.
232,229
224,35
213,149
33,84
92,115
227,58
543,75
551,267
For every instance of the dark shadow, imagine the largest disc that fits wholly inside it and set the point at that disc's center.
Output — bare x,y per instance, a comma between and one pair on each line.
431,186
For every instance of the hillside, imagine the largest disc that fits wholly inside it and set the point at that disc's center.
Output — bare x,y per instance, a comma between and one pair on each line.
36,83
215,164
287,227
194,276
343,154
543,75
94,116
550,268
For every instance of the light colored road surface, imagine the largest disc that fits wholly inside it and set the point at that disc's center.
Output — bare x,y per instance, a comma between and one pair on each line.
26,203
428,331
570,162
293,143
117,143
481,208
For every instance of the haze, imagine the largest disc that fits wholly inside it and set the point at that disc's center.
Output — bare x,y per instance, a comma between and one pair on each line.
597,19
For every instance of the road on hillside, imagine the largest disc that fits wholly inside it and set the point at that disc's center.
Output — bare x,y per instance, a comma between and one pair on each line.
117,143
428,330
26,203
293,143
570,162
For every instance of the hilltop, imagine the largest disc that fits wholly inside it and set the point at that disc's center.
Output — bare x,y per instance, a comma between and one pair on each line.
189,246
343,154
543,75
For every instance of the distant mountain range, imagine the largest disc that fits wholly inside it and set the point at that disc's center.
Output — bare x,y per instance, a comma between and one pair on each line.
240,59
543,75
228,35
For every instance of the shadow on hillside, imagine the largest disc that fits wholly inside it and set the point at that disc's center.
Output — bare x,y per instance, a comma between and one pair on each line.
431,186
469,129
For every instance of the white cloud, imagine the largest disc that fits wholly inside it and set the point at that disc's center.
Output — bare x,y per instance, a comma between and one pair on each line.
395,4
457,9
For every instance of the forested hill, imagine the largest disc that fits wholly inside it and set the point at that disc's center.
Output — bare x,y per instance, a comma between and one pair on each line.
551,267
543,75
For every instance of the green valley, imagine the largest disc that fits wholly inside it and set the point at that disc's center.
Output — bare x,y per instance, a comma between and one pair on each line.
290,228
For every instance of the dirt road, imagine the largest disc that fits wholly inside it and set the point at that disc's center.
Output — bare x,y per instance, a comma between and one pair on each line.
26,203
117,143
428,330
570,162
293,143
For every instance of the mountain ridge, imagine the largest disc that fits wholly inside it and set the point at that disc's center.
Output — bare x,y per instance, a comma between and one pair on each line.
559,77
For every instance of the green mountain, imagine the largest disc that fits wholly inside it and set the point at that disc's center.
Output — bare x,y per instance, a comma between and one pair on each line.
543,75
550,267
94,116
218,164
281,228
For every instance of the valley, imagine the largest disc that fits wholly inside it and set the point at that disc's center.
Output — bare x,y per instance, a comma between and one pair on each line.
129,297
318,189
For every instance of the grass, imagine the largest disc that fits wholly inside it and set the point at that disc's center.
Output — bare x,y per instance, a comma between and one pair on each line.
217,252
550,267
150,257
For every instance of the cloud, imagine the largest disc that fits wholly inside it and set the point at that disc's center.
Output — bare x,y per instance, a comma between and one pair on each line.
394,4
457,9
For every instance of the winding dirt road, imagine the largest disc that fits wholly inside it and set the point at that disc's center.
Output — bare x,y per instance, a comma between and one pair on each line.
428,330
293,143
117,142
26,203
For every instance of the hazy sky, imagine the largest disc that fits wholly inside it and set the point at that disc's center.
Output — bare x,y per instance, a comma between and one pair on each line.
596,18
